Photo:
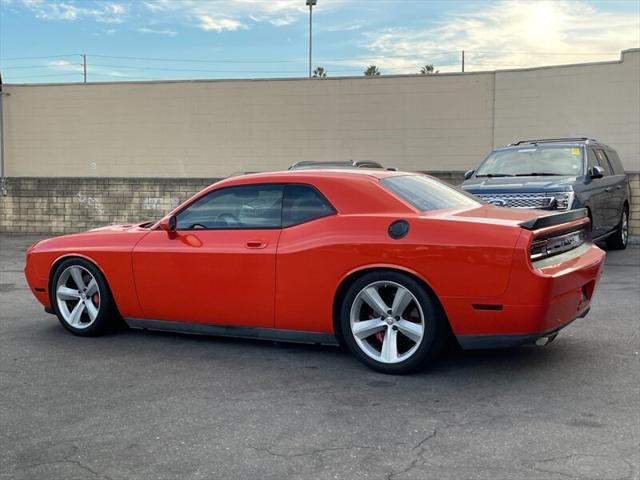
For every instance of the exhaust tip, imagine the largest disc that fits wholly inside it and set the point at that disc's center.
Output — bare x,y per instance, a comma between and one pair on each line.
546,340
542,341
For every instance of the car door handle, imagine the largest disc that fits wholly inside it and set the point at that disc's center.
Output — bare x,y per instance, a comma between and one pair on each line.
608,189
619,187
256,243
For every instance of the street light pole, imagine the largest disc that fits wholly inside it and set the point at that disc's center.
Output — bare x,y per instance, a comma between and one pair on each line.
310,3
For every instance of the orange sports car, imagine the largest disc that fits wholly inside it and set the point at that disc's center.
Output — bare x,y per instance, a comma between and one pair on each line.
390,263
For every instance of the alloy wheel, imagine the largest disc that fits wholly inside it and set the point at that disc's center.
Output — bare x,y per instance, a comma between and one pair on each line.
624,227
78,297
387,322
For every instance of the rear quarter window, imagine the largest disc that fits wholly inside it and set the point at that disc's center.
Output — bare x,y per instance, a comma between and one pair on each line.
425,193
616,164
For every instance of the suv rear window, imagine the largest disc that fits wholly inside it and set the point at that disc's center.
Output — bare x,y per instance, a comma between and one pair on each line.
532,161
426,193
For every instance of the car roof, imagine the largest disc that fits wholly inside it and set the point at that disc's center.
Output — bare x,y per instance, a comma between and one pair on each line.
344,173
582,141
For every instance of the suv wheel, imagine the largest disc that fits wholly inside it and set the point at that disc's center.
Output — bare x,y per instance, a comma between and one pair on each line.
618,241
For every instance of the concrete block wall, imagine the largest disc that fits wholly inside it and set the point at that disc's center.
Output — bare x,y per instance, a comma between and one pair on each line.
53,205
634,213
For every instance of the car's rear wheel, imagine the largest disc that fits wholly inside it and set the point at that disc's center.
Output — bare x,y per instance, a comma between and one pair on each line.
618,241
81,298
390,322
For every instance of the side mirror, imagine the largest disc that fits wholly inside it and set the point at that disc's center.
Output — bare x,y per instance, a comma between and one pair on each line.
468,174
169,224
596,172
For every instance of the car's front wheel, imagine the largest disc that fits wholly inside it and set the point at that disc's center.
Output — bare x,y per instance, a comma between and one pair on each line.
390,322
618,241
81,298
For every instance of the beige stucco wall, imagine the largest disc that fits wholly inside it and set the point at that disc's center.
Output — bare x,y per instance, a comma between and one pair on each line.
215,128
211,129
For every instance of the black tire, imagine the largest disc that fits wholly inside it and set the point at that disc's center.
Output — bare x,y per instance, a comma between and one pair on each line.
618,240
435,327
107,317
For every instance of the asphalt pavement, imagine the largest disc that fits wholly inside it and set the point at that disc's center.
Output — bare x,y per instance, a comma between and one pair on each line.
144,405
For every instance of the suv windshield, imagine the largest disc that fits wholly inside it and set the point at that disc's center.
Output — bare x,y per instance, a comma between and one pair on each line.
532,161
426,193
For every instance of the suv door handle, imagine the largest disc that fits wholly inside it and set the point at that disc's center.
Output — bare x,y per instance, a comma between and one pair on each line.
256,243
608,189
619,187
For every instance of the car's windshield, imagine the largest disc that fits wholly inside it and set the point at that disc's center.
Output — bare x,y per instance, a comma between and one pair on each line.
533,161
426,193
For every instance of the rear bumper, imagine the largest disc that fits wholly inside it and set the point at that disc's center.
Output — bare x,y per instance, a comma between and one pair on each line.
538,302
477,342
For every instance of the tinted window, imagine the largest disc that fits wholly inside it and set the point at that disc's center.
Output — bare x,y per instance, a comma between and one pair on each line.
533,160
591,159
302,203
603,162
425,193
615,162
242,207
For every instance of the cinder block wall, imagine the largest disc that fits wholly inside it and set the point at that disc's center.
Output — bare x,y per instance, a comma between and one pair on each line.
53,205
63,205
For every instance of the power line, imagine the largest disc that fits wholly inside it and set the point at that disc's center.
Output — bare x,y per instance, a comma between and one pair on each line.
34,58
157,59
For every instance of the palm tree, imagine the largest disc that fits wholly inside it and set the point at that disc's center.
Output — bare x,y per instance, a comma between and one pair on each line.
428,70
319,72
372,71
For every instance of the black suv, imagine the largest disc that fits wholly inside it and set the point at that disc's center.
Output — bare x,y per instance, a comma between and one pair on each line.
559,174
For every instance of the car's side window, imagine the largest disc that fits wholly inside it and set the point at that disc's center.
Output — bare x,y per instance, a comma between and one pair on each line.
591,159
603,161
614,159
303,203
234,208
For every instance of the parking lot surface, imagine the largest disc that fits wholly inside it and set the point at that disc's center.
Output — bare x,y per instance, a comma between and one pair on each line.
144,405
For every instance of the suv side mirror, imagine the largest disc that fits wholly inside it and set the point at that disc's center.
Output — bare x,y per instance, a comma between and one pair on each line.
596,172
468,174
169,224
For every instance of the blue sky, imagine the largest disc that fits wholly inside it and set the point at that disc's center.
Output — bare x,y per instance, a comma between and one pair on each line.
188,39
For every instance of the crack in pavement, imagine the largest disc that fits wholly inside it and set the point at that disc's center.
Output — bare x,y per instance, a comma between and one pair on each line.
421,446
78,463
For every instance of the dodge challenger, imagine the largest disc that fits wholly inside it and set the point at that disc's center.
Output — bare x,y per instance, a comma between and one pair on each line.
392,264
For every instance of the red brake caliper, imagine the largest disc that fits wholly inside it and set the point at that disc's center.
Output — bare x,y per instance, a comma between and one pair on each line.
96,299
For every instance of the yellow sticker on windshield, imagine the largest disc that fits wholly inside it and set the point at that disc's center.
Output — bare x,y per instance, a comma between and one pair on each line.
575,152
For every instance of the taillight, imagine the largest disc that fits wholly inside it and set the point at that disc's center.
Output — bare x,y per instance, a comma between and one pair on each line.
554,245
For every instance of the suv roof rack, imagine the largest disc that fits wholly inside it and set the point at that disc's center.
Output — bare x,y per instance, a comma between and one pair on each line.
555,140
309,164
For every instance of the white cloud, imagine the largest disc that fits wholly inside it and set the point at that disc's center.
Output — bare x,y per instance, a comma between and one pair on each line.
234,14
64,66
105,12
207,22
282,21
208,15
153,31
511,34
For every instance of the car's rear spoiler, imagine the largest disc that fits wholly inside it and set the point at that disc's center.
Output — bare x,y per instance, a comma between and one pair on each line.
554,219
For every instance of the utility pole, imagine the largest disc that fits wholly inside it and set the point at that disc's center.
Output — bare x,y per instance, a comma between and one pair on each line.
84,67
462,61
310,3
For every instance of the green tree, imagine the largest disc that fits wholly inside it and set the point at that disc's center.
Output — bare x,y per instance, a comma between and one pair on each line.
428,70
319,72
372,71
